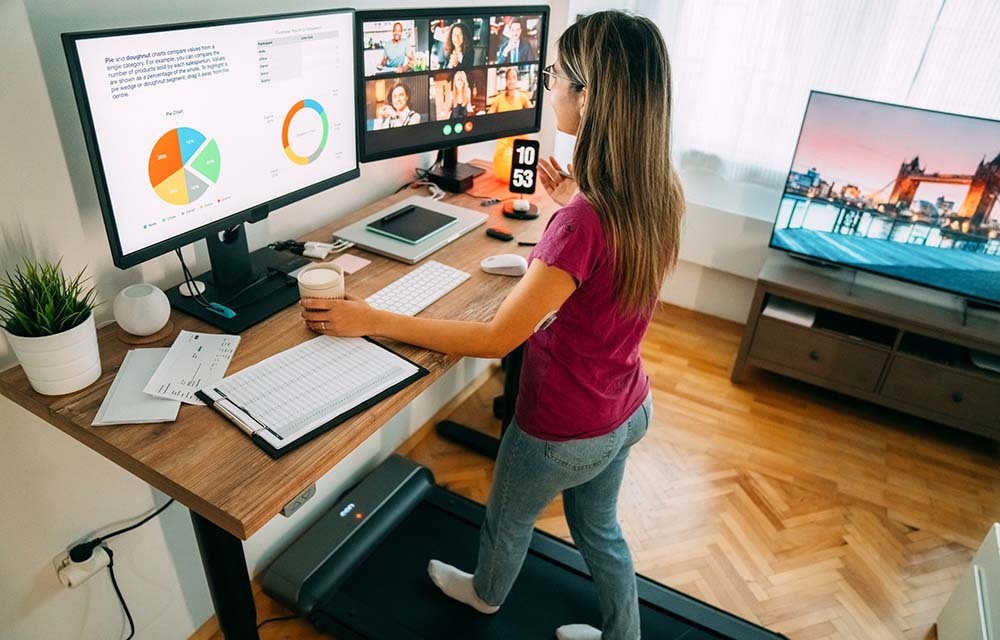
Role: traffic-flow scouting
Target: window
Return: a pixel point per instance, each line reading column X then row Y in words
column 743, row 69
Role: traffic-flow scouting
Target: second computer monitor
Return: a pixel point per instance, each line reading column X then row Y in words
column 439, row 78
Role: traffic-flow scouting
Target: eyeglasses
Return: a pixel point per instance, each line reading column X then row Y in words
column 549, row 78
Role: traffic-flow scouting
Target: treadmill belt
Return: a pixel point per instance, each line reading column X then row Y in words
column 390, row 596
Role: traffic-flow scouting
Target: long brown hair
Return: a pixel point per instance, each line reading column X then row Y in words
column 449, row 46
column 621, row 161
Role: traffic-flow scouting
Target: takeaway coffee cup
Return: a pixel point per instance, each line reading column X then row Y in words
column 321, row 280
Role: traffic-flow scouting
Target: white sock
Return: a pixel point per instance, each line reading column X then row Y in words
column 578, row 632
column 457, row 585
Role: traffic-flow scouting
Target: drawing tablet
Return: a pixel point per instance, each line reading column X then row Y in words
column 357, row 232
column 411, row 223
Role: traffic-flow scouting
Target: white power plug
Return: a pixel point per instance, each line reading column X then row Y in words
column 73, row 574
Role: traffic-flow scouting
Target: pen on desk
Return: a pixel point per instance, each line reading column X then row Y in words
column 395, row 214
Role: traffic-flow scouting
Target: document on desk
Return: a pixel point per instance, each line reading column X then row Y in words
column 194, row 361
column 126, row 403
column 293, row 396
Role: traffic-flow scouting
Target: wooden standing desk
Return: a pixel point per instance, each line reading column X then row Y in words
column 232, row 487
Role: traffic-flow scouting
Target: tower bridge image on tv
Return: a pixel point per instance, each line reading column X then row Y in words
column 984, row 188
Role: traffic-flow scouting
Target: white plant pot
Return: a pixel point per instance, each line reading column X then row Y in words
column 62, row 363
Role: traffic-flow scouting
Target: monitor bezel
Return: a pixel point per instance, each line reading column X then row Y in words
column 845, row 265
column 253, row 213
column 472, row 12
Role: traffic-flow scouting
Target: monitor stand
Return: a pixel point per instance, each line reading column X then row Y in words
column 452, row 175
column 254, row 285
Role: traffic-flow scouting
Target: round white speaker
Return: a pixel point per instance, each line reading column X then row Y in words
column 141, row 309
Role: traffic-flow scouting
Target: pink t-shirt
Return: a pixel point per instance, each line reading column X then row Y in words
column 581, row 376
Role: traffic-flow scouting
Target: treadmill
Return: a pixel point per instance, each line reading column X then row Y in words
column 361, row 572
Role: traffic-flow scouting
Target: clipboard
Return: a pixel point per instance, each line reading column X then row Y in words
column 312, row 358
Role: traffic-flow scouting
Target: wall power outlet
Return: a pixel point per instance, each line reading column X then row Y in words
column 73, row 574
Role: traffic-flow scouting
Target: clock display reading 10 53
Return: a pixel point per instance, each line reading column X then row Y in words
column 524, row 167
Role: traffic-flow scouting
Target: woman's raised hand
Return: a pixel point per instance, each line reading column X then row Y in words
column 559, row 187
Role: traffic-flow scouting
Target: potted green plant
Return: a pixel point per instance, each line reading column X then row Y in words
column 48, row 320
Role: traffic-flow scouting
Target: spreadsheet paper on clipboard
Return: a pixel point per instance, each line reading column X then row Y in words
column 299, row 393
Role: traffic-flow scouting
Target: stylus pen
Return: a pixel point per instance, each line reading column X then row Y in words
column 395, row 214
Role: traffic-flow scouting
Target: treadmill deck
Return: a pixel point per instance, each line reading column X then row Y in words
column 391, row 596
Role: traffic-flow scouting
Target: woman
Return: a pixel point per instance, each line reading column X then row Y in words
column 584, row 399
column 511, row 98
column 461, row 96
column 397, row 112
column 458, row 50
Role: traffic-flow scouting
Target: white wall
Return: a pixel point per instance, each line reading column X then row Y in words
column 724, row 244
column 57, row 491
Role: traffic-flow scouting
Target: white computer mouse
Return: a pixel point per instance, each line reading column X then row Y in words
column 505, row 264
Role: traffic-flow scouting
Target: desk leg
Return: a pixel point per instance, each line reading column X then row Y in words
column 228, row 580
column 503, row 408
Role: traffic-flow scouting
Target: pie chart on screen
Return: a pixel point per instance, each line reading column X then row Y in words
column 183, row 164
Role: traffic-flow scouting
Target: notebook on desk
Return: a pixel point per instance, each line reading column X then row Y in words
column 298, row 394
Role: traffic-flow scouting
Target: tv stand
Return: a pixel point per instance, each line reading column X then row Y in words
column 887, row 349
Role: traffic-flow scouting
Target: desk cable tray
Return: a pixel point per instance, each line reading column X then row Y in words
column 294, row 396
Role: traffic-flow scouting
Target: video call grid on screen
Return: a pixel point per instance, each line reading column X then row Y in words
column 432, row 77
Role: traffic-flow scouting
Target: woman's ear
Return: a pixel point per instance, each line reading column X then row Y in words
column 581, row 100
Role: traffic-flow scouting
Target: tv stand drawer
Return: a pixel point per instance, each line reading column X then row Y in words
column 943, row 390
column 818, row 355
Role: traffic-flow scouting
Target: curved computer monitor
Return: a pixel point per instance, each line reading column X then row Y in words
column 196, row 128
column 442, row 77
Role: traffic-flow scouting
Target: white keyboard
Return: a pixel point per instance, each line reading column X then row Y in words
column 418, row 289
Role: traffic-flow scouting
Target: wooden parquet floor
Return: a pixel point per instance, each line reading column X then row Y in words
column 808, row 512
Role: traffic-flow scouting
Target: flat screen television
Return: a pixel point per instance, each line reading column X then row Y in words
column 907, row 193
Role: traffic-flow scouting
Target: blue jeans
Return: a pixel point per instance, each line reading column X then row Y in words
column 529, row 473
